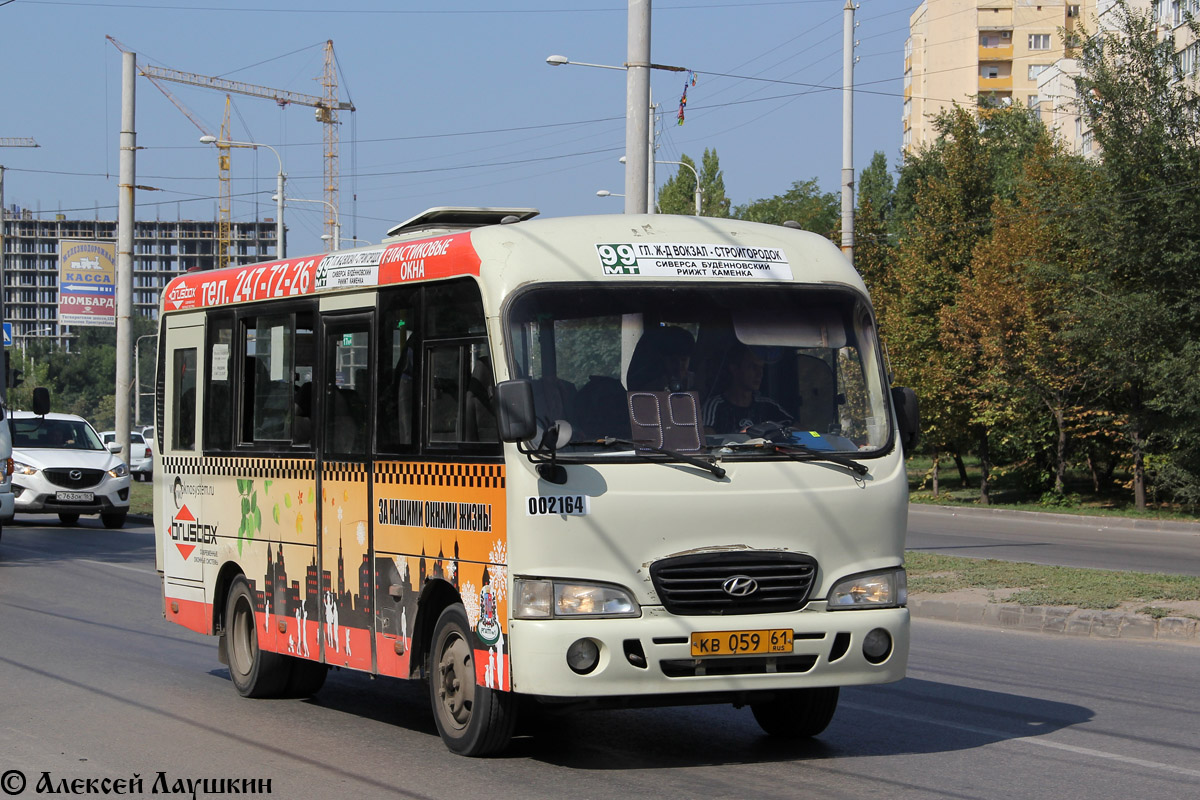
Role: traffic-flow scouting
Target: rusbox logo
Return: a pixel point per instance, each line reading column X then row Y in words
column 187, row 532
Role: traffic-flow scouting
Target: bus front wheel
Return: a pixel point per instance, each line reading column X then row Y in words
column 254, row 672
column 473, row 720
column 797, row 713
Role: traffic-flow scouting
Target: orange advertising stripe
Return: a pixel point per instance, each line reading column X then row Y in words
column 389, row 662
column 191, row 614
column 399, row 262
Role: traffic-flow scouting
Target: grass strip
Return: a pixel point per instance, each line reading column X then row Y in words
column 1043, row 585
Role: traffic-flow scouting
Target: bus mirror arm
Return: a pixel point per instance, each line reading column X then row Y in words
column 555, row 437
column 908, row 416
column 516, row 418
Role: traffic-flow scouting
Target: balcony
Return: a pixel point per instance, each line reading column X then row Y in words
column 1004, row 53
column 996, row 84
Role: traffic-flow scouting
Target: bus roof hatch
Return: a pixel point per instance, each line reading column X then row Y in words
column 446, row 219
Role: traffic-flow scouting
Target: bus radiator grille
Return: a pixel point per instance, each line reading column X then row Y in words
column 725, row 583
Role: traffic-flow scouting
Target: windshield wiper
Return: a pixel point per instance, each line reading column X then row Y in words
column 715, row 469
column 798, row 452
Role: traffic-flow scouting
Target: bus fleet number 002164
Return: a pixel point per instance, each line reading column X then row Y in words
column 571, row 505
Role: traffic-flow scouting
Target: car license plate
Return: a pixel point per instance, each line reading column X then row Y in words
column 741, row 643
column 74, row 497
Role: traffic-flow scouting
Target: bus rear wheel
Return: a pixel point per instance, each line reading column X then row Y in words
column 254, row 672
column 473, row 720
column 797, row 713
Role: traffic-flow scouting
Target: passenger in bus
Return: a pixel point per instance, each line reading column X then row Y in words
column 739, row 404
column 660, row 361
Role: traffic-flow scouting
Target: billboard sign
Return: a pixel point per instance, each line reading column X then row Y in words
column 87, row 283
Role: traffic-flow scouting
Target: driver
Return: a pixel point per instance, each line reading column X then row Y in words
column 739, row 405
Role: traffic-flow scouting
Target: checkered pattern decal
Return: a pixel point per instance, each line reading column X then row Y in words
column 405, row 473
column 346, row 471
column 420, row 473
column 248, row 467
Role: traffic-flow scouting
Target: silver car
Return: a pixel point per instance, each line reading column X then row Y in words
column 141, row 462
column 61, row 466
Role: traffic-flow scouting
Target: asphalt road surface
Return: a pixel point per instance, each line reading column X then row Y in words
column 1093, row 542
column 94, row 684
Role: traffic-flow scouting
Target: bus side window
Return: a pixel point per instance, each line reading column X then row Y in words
column 267, row 378
column 461, row 394
column 218, row 389
column 183, row 400
column 397, row 370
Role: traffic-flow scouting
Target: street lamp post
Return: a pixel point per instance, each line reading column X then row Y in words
column 137, row 380
column 682, row 164
column 280, row 243
column 694, row 172
column 607, row 193
column 337, row 223
column 638, row 128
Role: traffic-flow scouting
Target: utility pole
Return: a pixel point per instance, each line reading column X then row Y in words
column 6, row 142
column 848, row 130
column 125, row 248
column 637, row 106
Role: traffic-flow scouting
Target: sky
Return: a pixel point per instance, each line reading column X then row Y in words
column 455, row 103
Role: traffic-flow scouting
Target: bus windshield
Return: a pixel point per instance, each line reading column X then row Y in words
column 766, row 368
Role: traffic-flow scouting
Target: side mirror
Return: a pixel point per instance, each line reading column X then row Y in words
column 908, row 416
column 41, row 401
column 515, row 414
column 113, row 447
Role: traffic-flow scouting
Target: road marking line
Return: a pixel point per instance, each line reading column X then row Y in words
column 1029, row 739
column 117, row 566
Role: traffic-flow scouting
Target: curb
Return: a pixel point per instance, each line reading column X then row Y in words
column 1098, row 522
column 1066, row 620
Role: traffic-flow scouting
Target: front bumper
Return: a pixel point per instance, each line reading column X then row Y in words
column 827, row 651
column 33, row 494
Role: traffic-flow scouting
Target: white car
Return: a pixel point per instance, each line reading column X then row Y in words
column 60, row 466
column 141, row 464
column 6, row 495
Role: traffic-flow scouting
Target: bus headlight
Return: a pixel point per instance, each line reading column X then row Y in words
column 884, row 589
column 545, row 599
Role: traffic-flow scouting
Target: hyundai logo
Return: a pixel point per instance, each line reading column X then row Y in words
column 76, row 474
column 740, row 586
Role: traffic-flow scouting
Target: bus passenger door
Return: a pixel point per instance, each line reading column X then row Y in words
column 347, row 618
column 191, row 526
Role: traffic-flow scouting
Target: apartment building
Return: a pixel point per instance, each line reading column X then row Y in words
column 1056, row 88
column 162, row 249
column 959, row 51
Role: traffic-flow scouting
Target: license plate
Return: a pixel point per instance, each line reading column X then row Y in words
column 74, row 497
column 741, row 643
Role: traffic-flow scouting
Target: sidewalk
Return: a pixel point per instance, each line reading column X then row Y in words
column 1066, row 620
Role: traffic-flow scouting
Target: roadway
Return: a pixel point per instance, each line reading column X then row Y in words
column 95, row 684
column 1073, row 541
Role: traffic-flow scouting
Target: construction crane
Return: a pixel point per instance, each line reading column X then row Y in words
column 327, row 108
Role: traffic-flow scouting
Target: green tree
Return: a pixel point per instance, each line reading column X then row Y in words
column 804, row 203
column 1015, row 317
column 1143, row 306
column 958, row 180
column 678, row 195
column 873, row 251
column 82, row 377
